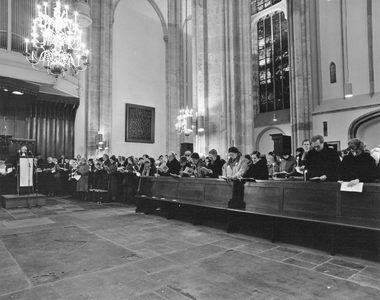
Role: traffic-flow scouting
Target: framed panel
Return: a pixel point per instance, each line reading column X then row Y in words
column 335, row 144
column 139, row 123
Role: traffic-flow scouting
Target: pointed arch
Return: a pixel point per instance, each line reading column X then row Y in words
column 355, row 125
column 162, row 19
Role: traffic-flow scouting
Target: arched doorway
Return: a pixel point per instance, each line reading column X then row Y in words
column 367, row 128
column 264, row 142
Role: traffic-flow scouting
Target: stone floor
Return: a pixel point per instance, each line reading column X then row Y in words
column 79, row 250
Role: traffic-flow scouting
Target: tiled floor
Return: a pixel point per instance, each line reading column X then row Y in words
column 80, row 250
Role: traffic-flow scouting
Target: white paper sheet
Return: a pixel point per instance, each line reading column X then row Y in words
column 358, row 188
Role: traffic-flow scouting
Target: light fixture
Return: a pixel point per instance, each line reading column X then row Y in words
column 200, row 123
column 184, row 121
column 274, row 117
column 348, row 90
column 17, row 93
column 56, row 43
column 106, row 145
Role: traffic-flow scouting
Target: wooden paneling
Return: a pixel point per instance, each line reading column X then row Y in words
column 303, row 201
column 166, row 189
column 218, row 195
column 193, row 191
column 354, row 205
column 263, row 199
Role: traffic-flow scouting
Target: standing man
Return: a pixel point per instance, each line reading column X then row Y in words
column 322, row 162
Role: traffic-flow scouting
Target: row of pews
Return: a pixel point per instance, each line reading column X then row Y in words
column 311, row 202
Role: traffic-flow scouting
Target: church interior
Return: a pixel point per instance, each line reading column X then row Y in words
column 127, row 78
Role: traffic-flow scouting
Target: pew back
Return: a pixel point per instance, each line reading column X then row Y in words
column 315, row 201
column 206, row 192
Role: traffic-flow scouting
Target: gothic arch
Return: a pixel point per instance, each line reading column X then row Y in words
column 355, row 125
column 158, row 11
column 162, row 19
column 259, row 136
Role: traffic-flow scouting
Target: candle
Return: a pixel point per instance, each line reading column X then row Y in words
column 45, row 5
column 26, row 45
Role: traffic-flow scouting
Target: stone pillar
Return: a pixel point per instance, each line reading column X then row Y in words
column 222, row 73
column 304, row 80
column 99, row 74
column 174, row 73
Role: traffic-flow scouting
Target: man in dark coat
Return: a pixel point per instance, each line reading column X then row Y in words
column 172, row 165
column 214, row 169
column 322, row 162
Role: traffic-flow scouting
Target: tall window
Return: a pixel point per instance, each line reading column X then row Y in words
column 3, row 23
column 332, row 73
column 273, row 60
column 259, row 5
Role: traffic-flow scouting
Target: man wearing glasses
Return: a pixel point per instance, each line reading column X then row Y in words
column 322, row 162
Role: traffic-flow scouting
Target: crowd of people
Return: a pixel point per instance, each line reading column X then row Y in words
column 315, row 160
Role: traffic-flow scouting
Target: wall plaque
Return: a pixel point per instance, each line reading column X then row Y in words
column 139, row 123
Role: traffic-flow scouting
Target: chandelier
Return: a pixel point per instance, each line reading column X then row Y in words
column 184, row 121
column 56, row 43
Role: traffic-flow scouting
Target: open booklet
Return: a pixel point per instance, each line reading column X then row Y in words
column 163, row 168
column 358, row 188
column 281, row 174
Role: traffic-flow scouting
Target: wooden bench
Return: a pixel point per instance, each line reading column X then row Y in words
column 172, row 194
column 317, row 202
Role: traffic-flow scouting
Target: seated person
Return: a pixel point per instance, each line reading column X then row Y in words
column 272, row 165
column 149, row 167
column 358, row 165
column 257, row 166
column 172, row 166
column 288, row 163
column 214, row 168
column 186, row 169
column 236, row 166
column 322, row 162
column 196, row 164
column 375, row 153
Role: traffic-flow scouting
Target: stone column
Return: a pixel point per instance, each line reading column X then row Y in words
column 99, row 74
column 222, row 73
column 304, row 80
column 174, row 73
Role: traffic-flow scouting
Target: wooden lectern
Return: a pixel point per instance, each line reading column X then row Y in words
column 25, row 175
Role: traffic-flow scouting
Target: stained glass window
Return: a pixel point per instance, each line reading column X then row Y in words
column 273, row 56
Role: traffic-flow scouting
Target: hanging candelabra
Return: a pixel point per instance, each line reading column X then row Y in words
column 56, row 42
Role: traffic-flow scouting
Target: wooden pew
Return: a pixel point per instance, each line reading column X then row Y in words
column 318, row 202
column 173, row 194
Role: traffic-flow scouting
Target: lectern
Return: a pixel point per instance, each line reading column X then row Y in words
column 25, row 174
